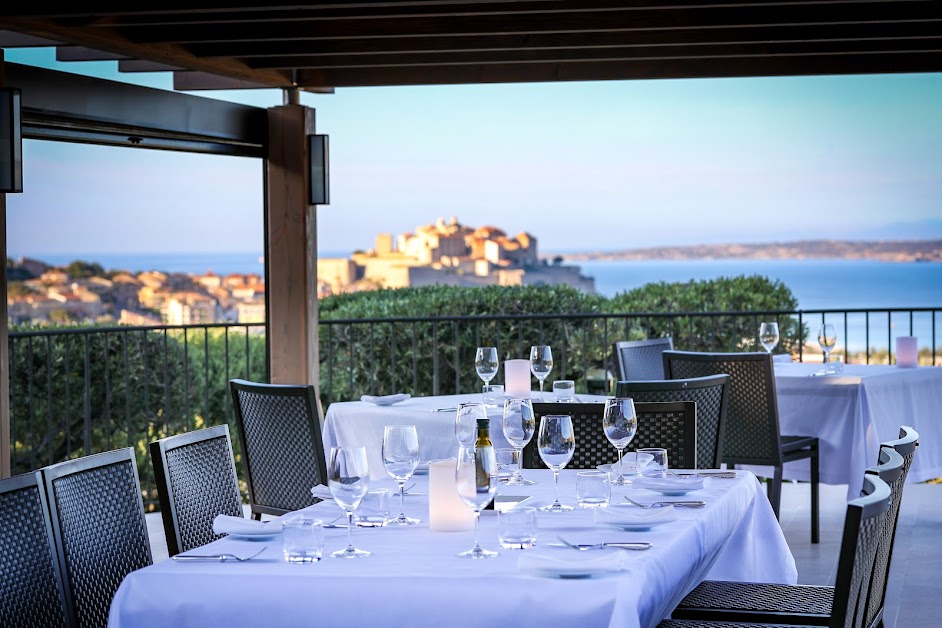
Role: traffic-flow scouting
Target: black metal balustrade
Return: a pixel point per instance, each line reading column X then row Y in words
column 79, row 391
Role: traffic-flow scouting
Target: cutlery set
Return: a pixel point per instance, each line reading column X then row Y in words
column 217, row 558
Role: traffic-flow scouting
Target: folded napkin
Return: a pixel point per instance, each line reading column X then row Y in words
column 227, row 524
column 321, row 492
column 385, row 400
column 667, row 483
column 634, row 516
column 572, row 563
column 631, row 463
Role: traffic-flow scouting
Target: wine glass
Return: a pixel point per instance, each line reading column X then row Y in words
column 476, row 480
column 518, row 424
column 556, row 443
column 620, row 424
column 827, row 338
column 466, row 422
column 768, row 335
column 486, row 363
column 401, row 457
column 348, row 478
column 541, row 363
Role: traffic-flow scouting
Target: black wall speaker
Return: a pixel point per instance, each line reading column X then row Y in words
column 320, row 173
column 11, row 141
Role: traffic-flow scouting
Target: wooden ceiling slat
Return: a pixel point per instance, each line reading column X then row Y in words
column 81, row 53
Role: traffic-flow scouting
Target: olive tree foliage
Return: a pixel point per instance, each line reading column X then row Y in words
column 422, row 340
column 84, row 391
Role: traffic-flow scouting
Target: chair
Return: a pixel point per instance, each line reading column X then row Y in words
column 196, row 480
column 855, row 599
column 31, row 593
column 282, row 446
column 751, row 434
column 669, row 425
column 710, row 393
column 99, row 529
column 641, row 359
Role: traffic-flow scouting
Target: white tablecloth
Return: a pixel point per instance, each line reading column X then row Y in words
column 854, row 412
column 414, row 577
column 356, row 423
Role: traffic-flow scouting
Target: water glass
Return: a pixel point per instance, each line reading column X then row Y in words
column 466, row 422
column 564, row 390
column 593, row 489
column 506, row 462
column 658, row 466
column 493, row 394
column 834, row 366
column 373, row 511
column 302, row 538
column 516, row 528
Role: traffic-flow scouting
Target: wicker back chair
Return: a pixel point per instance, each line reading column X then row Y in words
column 668, row 425
column 31, row 593
column 196, row 480
column 641, row 359
column 710, row 393
column 720, row 603
column 751, row 434
column 282, row 444
column 99, row 529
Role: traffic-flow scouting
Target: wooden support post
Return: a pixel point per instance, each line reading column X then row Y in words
column 291, row 249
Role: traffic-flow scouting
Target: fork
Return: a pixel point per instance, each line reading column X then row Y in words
column 689, row 503
column 220, row 558
column 705, row 474
column 582, row 547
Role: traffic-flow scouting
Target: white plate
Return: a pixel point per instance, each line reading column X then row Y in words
column 633, row 527
column 674, row 488
column 571, row 574
column 253, row 537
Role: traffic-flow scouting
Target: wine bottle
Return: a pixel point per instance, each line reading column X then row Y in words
column 485, row 461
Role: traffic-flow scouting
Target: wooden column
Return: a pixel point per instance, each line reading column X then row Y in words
column 291, row 249
column 4, row 335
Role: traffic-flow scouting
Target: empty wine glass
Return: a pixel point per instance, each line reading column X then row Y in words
column 486, row 363
column 401, row 457
column 541, row 363
column 768, row 336
column 556, row 443
column 466, row 422
column 620, row 424
column 348, row 478
column 476, row 480
column 827, row 338
column 518, row 424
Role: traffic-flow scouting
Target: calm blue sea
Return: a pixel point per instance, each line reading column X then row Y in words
column 817, row 284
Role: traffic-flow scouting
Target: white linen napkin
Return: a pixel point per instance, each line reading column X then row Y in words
column 572, row 562
column 322, row 492
column 227, row 524
column 632, row 515
column 385, row 400
column 667, row 483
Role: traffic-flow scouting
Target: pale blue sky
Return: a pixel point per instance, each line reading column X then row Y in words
column 602, row 165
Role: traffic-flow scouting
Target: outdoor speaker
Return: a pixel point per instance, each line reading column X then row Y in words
column 320, row 175
column 11, row 141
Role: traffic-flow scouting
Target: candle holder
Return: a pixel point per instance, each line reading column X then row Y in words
column 907, row 351
column 446, row 511
column 517, row 378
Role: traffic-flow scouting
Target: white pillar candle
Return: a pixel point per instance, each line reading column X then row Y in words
column 446, row 511
column 907, row 351
column 517, row 378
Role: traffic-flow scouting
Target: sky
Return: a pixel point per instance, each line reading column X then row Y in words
column 582, row 166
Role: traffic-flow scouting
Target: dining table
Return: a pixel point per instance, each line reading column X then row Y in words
column 414, row 576
column 852, row 412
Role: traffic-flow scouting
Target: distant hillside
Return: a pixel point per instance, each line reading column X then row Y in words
column 883, row 250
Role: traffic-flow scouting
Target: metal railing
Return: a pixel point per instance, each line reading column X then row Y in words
column 78, row 391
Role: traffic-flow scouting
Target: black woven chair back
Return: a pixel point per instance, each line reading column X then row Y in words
column 282, row 444
column 196, row 480
column 30, row 581
column 98, row 524
column 668, row 425
column 641, row 359
column 710, row 393
column 751, row 434
column 864, row 526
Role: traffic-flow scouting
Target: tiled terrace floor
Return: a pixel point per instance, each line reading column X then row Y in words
column 914, row 599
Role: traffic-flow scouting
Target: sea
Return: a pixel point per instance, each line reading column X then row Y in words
column 816, row 283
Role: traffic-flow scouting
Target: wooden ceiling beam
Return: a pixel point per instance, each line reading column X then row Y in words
column 790, row 65
column 82, row 53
